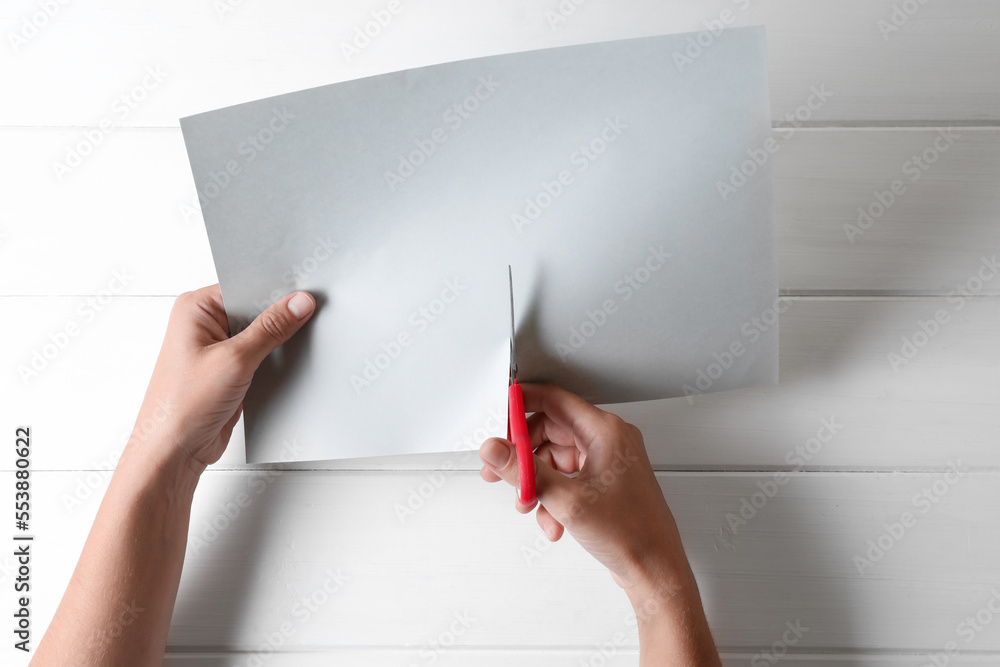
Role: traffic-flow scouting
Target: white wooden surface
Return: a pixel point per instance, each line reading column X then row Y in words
column 129, row 208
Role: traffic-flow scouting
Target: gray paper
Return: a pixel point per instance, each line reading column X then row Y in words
column 628, row 185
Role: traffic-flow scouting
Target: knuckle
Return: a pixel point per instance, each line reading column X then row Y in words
column 274, row 325
column 575, row 512
column 182, row 301
column 614, row 423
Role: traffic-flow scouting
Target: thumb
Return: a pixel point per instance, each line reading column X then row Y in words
column 555, row 490
column 274, row 326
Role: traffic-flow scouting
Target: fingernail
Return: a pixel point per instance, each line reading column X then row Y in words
column 300, row 305
column 496, row 454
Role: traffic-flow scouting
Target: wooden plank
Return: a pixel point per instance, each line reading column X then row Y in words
column 131, row 205
column 880, row 75
column 842, row 229
column 71, row 71
column 536, row 658
column 945, row 402
column 462, row 563
column 121, row 209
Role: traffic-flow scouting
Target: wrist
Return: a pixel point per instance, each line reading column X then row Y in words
column 670, row 618
column 160, row 460
column 662, row 595
column 670, row 621
column 656, row 565
column 659, row 581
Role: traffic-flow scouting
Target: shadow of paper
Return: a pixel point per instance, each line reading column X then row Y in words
column 278, row 369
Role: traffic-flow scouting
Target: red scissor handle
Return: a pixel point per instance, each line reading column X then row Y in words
column 517, row 426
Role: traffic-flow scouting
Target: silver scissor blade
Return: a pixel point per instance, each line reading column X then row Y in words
column 513, row 349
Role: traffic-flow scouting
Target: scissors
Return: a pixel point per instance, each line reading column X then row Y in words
column 517, row 424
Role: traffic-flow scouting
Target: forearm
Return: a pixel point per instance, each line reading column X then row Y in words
column 675, row 634
column 117, row 607
column 671, row 620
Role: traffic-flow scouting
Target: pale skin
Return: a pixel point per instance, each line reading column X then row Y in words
column 117, row 607
column 614, row 508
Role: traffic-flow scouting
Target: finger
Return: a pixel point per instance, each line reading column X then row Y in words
column 487, row 474
column 565, row 409
column 274, row 326
column 199, row 311
column 522, row 508
column 542, row 429
column 227, row 430
column 211, row 296
column 551, row 486
column 549, row 525
column 567, row 460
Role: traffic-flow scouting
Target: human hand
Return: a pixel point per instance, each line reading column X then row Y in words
column 613, row 506
column 195, row 395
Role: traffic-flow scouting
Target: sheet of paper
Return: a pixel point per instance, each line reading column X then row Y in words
column 628, row 183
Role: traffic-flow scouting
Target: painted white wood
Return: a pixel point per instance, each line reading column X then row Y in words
column 836, row 235
column 547, row 658
column 834, row 366
column 130, row 205
column 210, row 60
column 122, row 209
column 467, row 552
column 128, row 208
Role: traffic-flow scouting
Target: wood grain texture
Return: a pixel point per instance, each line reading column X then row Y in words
column 942, row 404
column 253, row 557
column 131, row 205
column 421, row 538
column 541, row 658
column 841, row 229
column 211, row 59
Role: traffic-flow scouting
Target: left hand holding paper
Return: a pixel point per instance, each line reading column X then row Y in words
column 201, row 375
